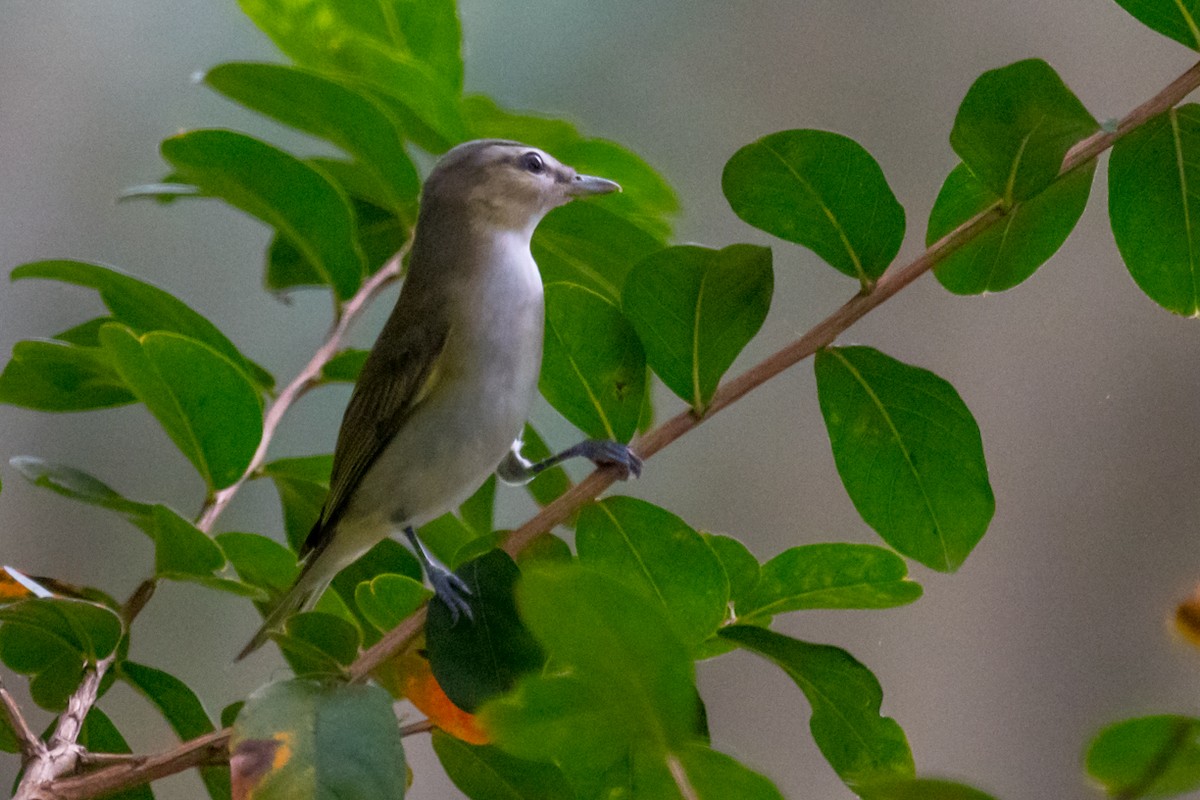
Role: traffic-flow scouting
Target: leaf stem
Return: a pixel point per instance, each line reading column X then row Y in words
column 204, row 749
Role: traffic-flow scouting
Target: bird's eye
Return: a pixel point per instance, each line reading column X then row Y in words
column 532, row 162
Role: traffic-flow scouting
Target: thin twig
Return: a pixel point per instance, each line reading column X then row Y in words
column 420, row 726
column 31, row 745
column 199, row 751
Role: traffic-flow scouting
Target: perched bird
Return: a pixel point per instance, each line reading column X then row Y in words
column 446, row 390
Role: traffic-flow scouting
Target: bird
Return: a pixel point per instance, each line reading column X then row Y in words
column 445, row 391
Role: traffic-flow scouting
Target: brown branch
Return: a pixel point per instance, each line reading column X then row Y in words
column 31, row 745
column 202, row 750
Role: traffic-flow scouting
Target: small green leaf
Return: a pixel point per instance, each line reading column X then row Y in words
column 921, row 789
column 302, row 484
column 183, row 711
column 622, row 683
column 830, row 576
column 98, row 734
column 331, row 110
column 593, row 368
column 1147, row 757
column 56, row 376
column 1015, row 126
column 908, row 452
column 591, row 245
column 344, row 367
column 259, row 561
column 820, row 190
column 303, row 739
column 656, row 552
column 1178, row 20
column 709, row 774
column 77, row 485
column 1011, row 250
column 488, row 773
column 478, row 510
column 694, row 309
column 317, row 643
column 861, row 745
column 387, row 600
column 364, row 43
column 182, row 551
column 204, row 402
column 141, row 307
column 1152, row 182
column 279, row 189
column 482, row 657
column 741, row 567
column 550, row 484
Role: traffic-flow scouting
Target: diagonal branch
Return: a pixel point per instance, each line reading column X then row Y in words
column 202, row 750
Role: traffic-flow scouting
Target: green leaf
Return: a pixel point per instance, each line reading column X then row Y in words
column 1012, row 249
column 98, row 734
column 279, row 189
column 1172, row 18
column 709, row 774
column 56, row 376
column 1152, row 180
column 1015, row 126
column 387, row 600
column 861, row 745
column 829, row 576
column 482, row 657
column 908, row 452
column 182, row 551
column 488, row 773
column 141, row 307
column 183, row 711
column 921, row 789
column 1155, row 756
column 304, row 740
column 330, row 110
column 741, row 567
column 647, row 199
column 593, row 368
column 366, row 43
column 654, row 551
column 622, row 681
column 204, row 402
column 259, row 561
column 344, row 367
column 302, row 484
column 591, row 245
column 820, row 190
column 694, row 309
column 77, row 485
column 317, row 643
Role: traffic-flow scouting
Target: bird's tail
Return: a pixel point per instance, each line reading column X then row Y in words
column 303, row 595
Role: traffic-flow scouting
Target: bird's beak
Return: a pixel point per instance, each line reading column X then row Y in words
column 584, row 185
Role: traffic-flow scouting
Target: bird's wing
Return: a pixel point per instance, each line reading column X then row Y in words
column 394, row 381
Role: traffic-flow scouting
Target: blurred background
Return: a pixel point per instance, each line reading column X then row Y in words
column 1085, row 391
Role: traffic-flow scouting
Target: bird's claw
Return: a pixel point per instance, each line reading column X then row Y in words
column 452, row 591
column 607, row 453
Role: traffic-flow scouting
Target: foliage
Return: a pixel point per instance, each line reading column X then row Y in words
column 576, row 678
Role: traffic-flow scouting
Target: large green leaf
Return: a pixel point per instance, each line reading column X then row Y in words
column 695, row 309
column 140, row 306
column 279, row 189
column 1178, row 19
column 622, row 683
column 1015, row 126
column 697, row 772
column 909, row 454
column 829, row 576
column 656, row 552
column 305, row 740
column 741, row 567
column 1010, row 251
column 259, row 561
column 482, row 657
column 385, row 46
column 591, row 245
column 183, row 711
column 333, row 111
column 1152, row 184
column 821, row 190
column 488, row 773
column 57, row 376
column 921, row 789
column 204, row 402
column 302, row 484
column 182, row 551
column 593, row 368
column 1147, row 757
column 387, row 600
column 859, row 743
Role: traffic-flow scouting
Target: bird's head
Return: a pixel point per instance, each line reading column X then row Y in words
column 506, row 184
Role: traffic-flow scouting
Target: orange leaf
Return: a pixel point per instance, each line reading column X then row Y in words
column 416, row 682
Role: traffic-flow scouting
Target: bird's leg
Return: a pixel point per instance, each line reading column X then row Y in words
column 450, row 588
column 517, row 469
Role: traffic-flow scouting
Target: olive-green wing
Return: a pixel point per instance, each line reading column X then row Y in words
column 395, row 378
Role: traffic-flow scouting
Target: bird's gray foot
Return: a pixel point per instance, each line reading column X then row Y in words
column 607, row 453
column 451, row 590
